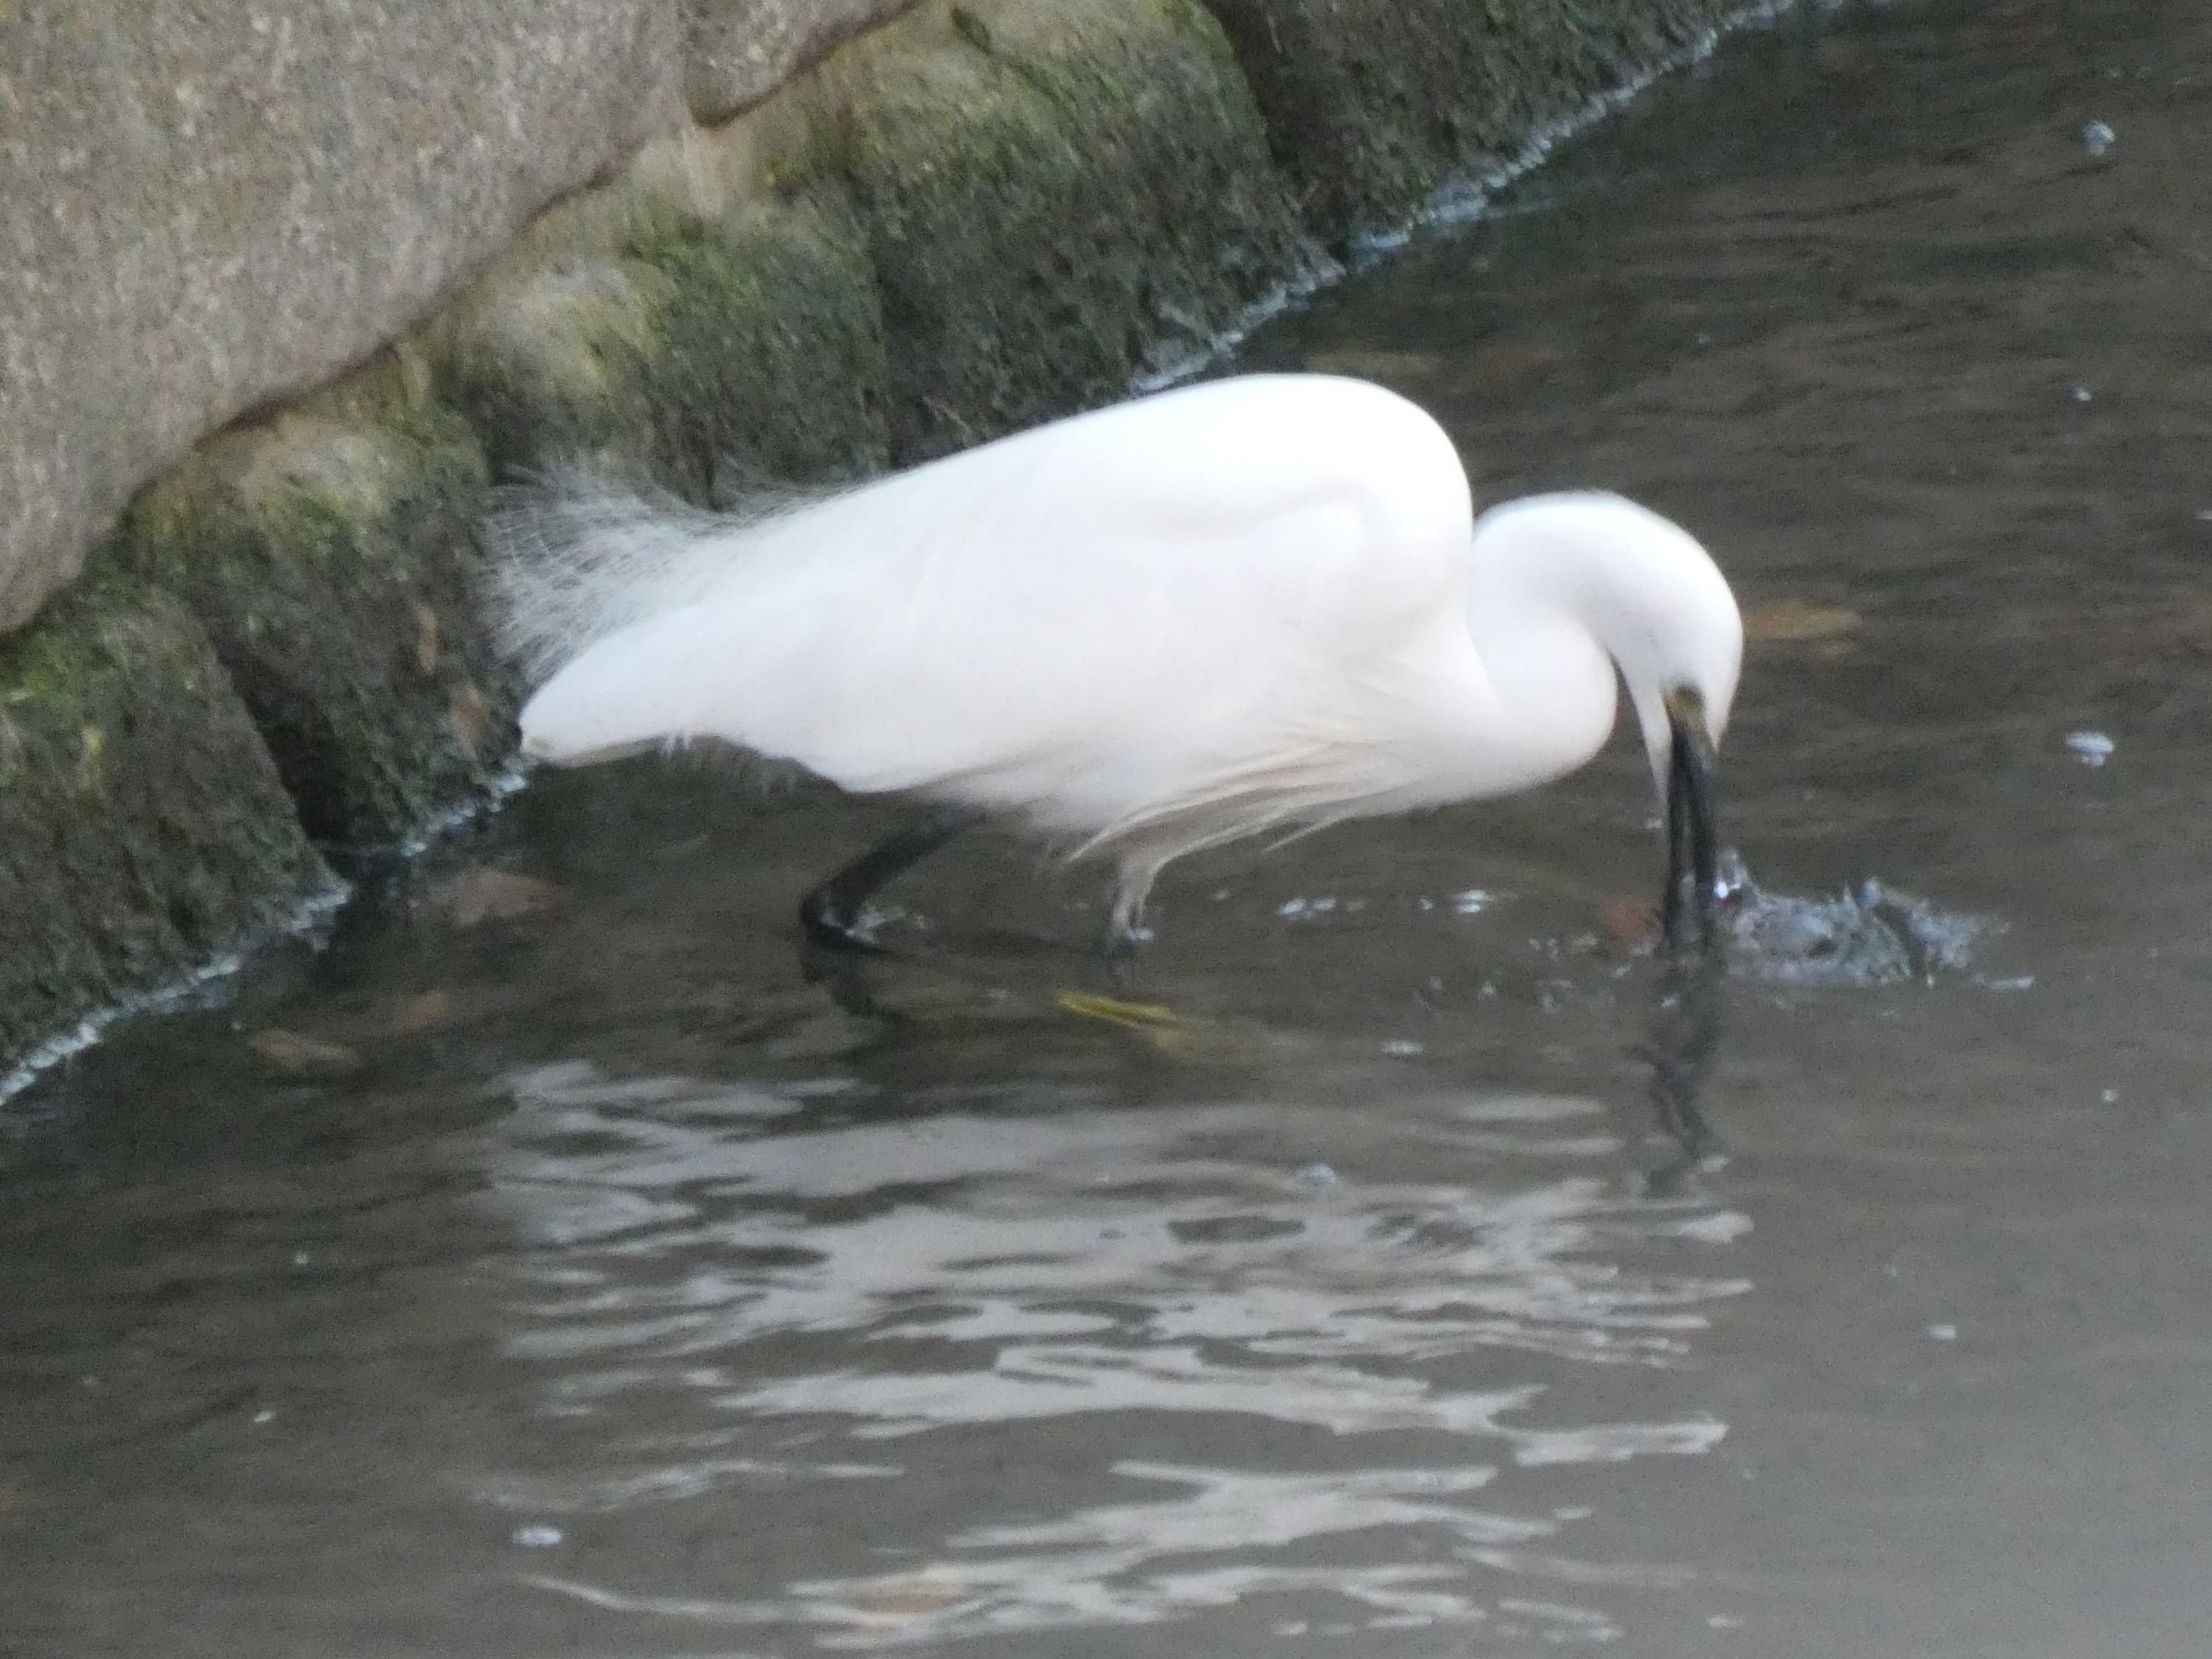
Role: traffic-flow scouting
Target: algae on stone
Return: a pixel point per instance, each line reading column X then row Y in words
column 143, row 829
column 1374, row 105
column 771, row 365
column 552, row 366
column 329, row 555
column 701, row 352
column 1057, row 200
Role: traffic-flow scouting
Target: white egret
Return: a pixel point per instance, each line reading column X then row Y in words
column 1255, row 606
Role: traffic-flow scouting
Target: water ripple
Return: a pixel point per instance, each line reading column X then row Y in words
column 727, row 1254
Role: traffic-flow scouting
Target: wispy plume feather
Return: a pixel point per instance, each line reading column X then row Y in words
column 575, row 557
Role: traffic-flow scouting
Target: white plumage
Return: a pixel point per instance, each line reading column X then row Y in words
column 1253, row 605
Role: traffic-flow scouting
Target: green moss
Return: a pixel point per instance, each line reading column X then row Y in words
column 142, row 827
column 44, row 677
column 1055, row 199
column 551, row 365
column 333, row 563
column 770, row 364
column 698, row 354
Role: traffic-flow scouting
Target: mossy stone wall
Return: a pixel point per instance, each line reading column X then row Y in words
column 1373, row 106
column 978, row 216
column 329, row 555
column 705, row 351
column 1056, row 200
column 143, row 829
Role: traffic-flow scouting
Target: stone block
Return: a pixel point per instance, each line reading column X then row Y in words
column 1057, row 199
column 706, row 353
column 329, row 553
column 738, row 52
column 211, row 208
column 143, row 829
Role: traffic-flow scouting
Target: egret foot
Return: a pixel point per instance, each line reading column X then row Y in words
column 831, row 913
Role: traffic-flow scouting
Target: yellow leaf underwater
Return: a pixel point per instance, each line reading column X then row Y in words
column 1202, row 1041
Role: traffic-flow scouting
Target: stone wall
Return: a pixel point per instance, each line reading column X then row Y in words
column 287, row 288
column 207, row 208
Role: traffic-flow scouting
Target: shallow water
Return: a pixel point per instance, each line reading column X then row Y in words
column 1405, row 1266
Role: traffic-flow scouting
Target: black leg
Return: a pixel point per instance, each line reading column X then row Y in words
column 1121, row 954
column 831, row 913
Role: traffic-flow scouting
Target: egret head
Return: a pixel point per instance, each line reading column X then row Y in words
column 1677, row 637
column 1653, row 599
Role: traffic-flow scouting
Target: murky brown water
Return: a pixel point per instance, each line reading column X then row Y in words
column 600, row 1286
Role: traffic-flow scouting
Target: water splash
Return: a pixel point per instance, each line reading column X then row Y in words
column 1872, row 935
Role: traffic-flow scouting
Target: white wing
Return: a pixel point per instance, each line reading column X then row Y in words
column 1097, row 624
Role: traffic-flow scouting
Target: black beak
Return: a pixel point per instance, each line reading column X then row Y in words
column 1690, row 914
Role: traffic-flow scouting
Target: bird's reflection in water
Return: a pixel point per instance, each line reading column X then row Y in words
column 1041, row 1365
column 1679, row 1045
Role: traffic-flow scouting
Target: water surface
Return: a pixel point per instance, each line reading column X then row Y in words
column 553, row 1265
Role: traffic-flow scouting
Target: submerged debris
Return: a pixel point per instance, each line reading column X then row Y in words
column 1873, row 935
column 1793, row 620
column 2098, row 138
column 484, row 894
column 295, row 1056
